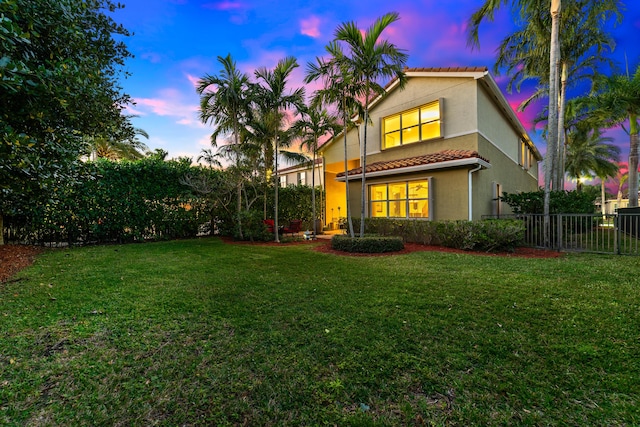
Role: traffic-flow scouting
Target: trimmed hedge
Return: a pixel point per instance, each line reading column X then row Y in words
column 484, row 235
column 367, row 244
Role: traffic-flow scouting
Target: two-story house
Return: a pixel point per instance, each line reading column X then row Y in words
column 442, row 148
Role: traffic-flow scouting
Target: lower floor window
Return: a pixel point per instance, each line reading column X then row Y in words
column 404, row 199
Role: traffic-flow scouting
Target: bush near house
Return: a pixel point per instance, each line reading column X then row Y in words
column 559, row 202
column 485, row 235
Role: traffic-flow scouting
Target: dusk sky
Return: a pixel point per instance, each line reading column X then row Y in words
column 176, row 42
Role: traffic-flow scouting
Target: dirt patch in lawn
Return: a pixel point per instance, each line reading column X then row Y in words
column 14, row 258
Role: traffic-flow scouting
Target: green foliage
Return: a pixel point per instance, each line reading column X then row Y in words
column 294, row 202
column 560, row 202
column 485, row 235
column 59, row 68
column 366, row 244
column 117, row 201
column 253, row 229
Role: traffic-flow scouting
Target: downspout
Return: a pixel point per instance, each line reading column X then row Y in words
column 471, row 191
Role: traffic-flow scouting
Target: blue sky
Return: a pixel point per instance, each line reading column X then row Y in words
column 176, row 42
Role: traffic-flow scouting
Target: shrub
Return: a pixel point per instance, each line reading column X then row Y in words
column 484, row 235
column 559, row 202
column 367, row 244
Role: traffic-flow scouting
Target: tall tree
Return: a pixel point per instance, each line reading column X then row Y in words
column 315, row 123
column 526, row 9
column 617, row 100
column 524, row 55
column 370, row 59
column 341, row 90
column 224, row 102
column 274, row 98
column 589, row 153
column 60, row 64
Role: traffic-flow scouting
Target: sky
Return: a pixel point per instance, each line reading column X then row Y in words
column 176, row 42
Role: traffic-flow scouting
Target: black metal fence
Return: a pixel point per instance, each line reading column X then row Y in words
column 610, row 234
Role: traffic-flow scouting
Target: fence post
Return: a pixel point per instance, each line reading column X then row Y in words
column 616, row 234
column 559, row 230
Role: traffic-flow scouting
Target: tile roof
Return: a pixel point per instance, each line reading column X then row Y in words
column 448, row 69
column 442, row 156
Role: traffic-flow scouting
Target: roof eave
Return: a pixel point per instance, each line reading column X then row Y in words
column 422, row 168
column 492, row 86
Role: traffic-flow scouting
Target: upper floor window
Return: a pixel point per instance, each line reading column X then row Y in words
column 283, row 180
column 524, row 159
column 302, row 178
column 413, row 125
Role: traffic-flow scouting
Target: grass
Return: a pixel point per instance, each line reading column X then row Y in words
column 204, row 333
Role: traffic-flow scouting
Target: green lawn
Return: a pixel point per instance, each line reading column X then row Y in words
column 204, row 333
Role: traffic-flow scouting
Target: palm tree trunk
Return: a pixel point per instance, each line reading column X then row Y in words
column 561, row 131
column 313, row 189
column 602, row 197
column 346, row 174
column 364, row 163
column 1, row 229
column 239, row 186
column 275, row 201
column 633, row 160
column 552, row 135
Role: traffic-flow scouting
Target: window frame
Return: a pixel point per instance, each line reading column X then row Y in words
column 420, row 124
column 302, row 178
column 385, row 204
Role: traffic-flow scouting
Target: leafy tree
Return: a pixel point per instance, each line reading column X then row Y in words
column 60, row 65
column 370, row 59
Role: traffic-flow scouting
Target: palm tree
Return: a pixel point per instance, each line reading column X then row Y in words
column 273, row 99
column 621, row 178
column 108, row 147
column 371, row 59
column 524, row 55
column 618, row 98
column 528, row 8
column 340, row 89
column 224, row 103
column 210, row 157
column 314, row 124
column 588, row 152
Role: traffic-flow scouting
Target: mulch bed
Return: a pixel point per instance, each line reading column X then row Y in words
column 324, row 246
column 14, row 258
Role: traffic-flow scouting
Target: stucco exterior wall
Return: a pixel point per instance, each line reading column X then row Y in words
column 471, row 120
column 458, row 107
column 493, row 126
